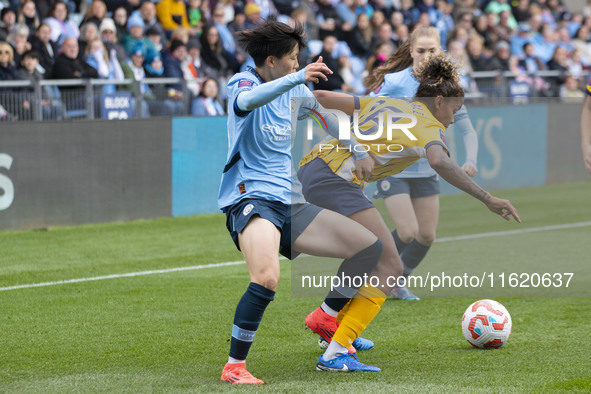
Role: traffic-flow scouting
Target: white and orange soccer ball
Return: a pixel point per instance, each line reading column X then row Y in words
column 486, row 324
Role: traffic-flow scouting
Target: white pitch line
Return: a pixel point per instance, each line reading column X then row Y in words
column 511, row 232
column 231, row 263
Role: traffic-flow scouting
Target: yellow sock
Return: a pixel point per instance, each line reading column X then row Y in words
column 343, row 311
column 360, row 312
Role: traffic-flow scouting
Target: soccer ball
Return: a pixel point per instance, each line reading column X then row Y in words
column 486, row 324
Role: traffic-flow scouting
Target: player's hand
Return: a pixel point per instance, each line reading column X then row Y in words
column 587, row 158
column 317, row 70
column 470, row 169
column 501, row 207
column 364, row 168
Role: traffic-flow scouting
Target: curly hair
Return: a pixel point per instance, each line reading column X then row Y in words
column 438, row 76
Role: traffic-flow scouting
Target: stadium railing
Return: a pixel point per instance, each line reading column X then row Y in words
column 85, row 99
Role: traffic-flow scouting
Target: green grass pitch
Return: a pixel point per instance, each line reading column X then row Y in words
column 169, row 332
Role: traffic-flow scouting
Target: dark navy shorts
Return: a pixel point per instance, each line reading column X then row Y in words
column 291, row 220
column 324, row 188
column 415, row 187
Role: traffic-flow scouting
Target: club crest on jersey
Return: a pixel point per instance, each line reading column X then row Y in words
column 245, row 82
column 247, row 209
column 442, row 136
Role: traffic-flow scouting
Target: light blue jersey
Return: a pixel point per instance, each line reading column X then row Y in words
column 404, row 84
column 259, row 152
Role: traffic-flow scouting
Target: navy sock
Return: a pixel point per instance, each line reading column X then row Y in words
column 400, row 244
column 362, row 263
column 413, row 255
column 247, row 318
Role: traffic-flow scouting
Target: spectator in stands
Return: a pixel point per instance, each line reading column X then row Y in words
column 396, row 19
column 485, row 30
column 172, row 60
column 61, row 26
column 500, row 60
column 309, row 7
column 575, row 66
column 520, row 39
column 238, row 24
column 207, row 103
column 529, row 61
column 230, row 11
column 521, row 11
column 28, row 71
column 96, row 12
column 381, row 53
column 402, row 34
column 181, row 34
column 557, row 63
column 253, row 16
column 409, row 12
column 474, row 49
column 384, row 35
column 97, row 57
column 135, row 27
column 266, row 7
column 172, row 14
column 335, row 80
column 45, row 48
column 151, row 22
column 7, row 20
column 88, row 32
column 69, row 66
column 458, row 53
column 225, row 34
column 154, row 36
column 564, row 39
column 120, row 19
column 27, row 15
column 378, row 19
column 444, row 22
column 329, row 20
column 503, row 31
column 544, row 43
column 214, row 54
column 193, row 71
column 346, row 11
column 7, row 68
column 197, row 18
column 460, row 34
column 18, row 38
column 108, row 32
column 462, row 7
column 359, row 38
column 498, row 6
column 571, row 88
column 582, row 43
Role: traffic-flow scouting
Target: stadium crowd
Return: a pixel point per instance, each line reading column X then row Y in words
column 195, row 40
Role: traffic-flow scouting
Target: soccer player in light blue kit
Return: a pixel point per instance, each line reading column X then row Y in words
column 412, row 196
column 266, row 213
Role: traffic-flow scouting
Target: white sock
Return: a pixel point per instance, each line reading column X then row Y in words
column 232, row 360
column 333, row 348
column 328, row 310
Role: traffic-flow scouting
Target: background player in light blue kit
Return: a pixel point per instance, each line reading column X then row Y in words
column 412, row 197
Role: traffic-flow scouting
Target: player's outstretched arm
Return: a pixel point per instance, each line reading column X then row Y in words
column 464, row 126
column 452, row 173
column 264, row 93
column 586, row 133
column 336, row 100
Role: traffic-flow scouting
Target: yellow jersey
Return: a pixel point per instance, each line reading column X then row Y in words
column 395, row 132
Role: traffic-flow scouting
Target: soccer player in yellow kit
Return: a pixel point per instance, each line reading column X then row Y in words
column 328, row 180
